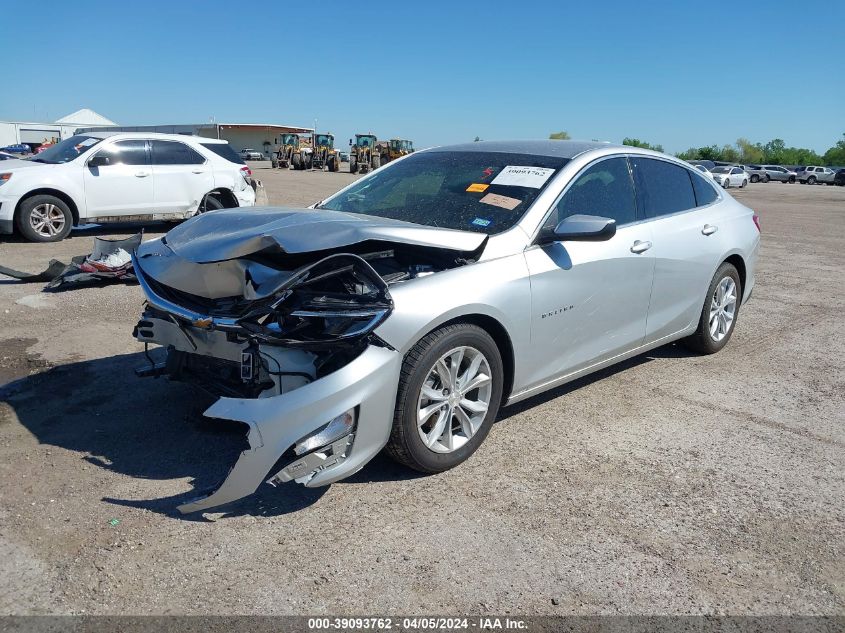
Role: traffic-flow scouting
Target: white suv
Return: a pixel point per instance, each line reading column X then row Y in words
column 119, row 176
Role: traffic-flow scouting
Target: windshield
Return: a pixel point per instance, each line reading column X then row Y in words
column 324, row 139
column 67, row 150
column 365, row 141
column 484, row 192
column 720, row 170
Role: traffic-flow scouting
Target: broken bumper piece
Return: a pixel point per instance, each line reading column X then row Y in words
column 286, row 430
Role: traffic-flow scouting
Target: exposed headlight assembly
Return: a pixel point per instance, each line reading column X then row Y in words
column 337, row 298
column 5, row 177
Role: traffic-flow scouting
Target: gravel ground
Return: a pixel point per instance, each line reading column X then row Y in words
column 672, row 484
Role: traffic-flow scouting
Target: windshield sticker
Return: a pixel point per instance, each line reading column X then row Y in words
column 88, row 141
column 501, row 201
column 477, row 187
column 521, row 176
column 481, row 222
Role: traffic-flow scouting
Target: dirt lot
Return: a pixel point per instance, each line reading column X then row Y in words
column 671, row 484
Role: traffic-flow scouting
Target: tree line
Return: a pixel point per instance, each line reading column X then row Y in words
column 775, row 152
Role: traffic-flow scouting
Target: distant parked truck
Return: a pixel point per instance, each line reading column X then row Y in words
column 813, row 175
column 289, row 153
column 364, row 153
column 395, row 148
column 776, row 172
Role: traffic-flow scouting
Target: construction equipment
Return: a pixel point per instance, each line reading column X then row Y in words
column 395, row 148
column 364, row 154
column 289, row 154
column 322, row 153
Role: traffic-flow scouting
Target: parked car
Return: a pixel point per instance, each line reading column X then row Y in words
column 251, row 154
column 776, row 172
column 728, row 176
column 703, row 170
column 115, row 176
column 756, row 173
column 344, row 157
column 839, row 178
column 812, row 175
column 398, row 316
column 18, row 148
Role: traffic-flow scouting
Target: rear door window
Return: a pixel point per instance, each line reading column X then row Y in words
column 224, row 150
column 174, row 153
column 662, row 187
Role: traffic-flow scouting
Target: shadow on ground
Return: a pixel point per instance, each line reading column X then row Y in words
column 154, row 429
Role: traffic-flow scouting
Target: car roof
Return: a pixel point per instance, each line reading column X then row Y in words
column 554, row 148
column 154, row 135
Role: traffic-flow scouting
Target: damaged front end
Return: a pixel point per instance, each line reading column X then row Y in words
column 286, row 340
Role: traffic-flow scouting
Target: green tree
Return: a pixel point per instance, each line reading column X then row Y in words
column 559, row 136
column 711, row 152
column 749, row 152
column 836, row 154
column 773, row 151
column 729, row 154
column 635, row 142
column 690, row 154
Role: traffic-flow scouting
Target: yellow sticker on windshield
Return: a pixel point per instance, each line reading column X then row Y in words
column 501, row 201
column 477, row 187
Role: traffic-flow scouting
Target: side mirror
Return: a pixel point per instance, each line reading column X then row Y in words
column 99, row 161
column 583, row 228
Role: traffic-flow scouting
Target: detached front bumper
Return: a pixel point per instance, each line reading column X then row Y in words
column 368, row 384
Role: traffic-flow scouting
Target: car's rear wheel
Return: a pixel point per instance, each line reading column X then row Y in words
column 811, row 180
column 755, row 178
column 44, row 218
column 449, row 393
column 792, row 180
column 766, row 178
column 210, row 203
column 719, row 312
column 744, row 182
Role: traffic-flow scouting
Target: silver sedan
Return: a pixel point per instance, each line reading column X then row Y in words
column 403, row 311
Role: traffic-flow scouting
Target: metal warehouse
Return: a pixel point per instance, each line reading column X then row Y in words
column 36, row 134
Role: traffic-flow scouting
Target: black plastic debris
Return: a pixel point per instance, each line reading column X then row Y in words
column 109, row 262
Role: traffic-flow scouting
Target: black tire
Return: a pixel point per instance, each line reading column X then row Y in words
column 755, row 178
column 53, row 207
column 332, row 163
column 376, row 161
column 405, row 444
column 701, row 341
column 792, row 180
column 811, row 180
column 744, row 183
column 767, row 178
column 210, row 203
column 353, row 165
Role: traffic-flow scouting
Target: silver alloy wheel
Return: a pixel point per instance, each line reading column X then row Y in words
column 722, row 309
column 47, row 220
column 454, row 399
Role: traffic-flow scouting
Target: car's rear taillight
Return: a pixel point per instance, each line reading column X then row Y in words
column 246, row 171
column 756, row 219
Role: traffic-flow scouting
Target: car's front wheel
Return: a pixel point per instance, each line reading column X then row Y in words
column 811, row 180
column 755, row 178
column 44, row 218
column 719, row 313
column 767, row 178
column 449, row 393
column 744, row 182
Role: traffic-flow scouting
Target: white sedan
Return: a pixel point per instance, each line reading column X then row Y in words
column 729, row 176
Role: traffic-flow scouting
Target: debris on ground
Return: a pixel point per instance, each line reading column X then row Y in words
column 110, row 261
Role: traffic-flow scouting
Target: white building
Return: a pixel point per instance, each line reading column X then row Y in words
column 262, row 137
column 35, row 134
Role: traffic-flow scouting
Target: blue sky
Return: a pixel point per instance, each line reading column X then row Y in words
column 678, row 73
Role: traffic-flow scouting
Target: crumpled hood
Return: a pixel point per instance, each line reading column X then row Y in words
column 234, row 233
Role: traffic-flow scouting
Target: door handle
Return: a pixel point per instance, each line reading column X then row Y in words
column 142, row 174
column 709, row 229
column 197, row 171
column 640, row 247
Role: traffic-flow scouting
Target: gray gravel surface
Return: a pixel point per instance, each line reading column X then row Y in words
column 670, row 484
